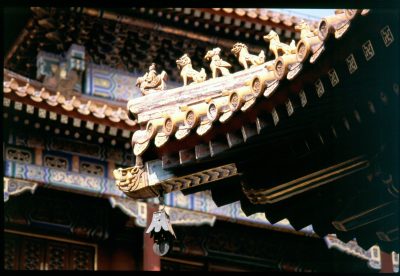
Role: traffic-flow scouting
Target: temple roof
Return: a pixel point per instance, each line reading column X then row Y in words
column 170, row 116
column 33, row 93
column 305, row 136
column 265, row 15
column 130, row 39
column 277, row 121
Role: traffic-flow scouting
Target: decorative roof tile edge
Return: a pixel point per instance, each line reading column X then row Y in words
column 32, row 92
column 264, row 15
column 166, row 120
column 202, row 111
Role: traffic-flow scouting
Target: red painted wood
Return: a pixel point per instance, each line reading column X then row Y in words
column 387, row 265
column 151, row 261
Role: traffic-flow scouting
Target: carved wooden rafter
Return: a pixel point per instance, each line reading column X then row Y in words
column 134, row 181
column 308, row 182
column 361, row 218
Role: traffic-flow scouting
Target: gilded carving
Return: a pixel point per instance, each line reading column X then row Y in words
column 53, row 100
column 134, row 180
column 186, row 217
column 56, row 162
column 241, row 52
column 199, row 178
column 352, row 248
column 188, row 73
column 305, row 30
column 18, row 105
column 140, row 148
column 351, row 64
column 38, row 96
column 6, row 102
column 217, row 65
column 85, row 108
column 64, row 119
column 130, row 179
column 30, row 109
column 14, row 186
column 287, row 57
column 333, row 77
column 368, row 50
column 70, row 104
column 42, row 113
column 182, row 133
column 319, row 86
column 387, row 36
column 160, row 139
column 276, row 46
column 76, row 122
column 89, row 168
column 151, row 81
column 19, row 155
column 203, row 129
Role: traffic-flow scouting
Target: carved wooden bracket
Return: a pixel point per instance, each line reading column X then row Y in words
column 16, row 186
column 148, row 181
column 130, row 179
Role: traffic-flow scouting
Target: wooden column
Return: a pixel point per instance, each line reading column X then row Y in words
column 387, row 265
column 151, row 261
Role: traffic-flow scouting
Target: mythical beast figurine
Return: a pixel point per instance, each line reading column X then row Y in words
column 305, row 30
column 217, row 65
column 276, row 46
column 151, row 81
column 188, row 73
column 245, row 58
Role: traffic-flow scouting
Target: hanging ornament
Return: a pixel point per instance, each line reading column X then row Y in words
column 161, row 231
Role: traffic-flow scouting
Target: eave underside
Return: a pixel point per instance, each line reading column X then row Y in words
column 354, row 120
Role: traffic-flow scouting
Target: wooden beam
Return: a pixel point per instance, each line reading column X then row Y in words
column 217, row 147
column 248, row 131
column 275, row 116
column 233, row 139
column 186, row 156
column 307, row 182
column 386, row 262
column 289, row 107
column 365, row 215
column 169, row 161
column 202, row 151
column 261, row 124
